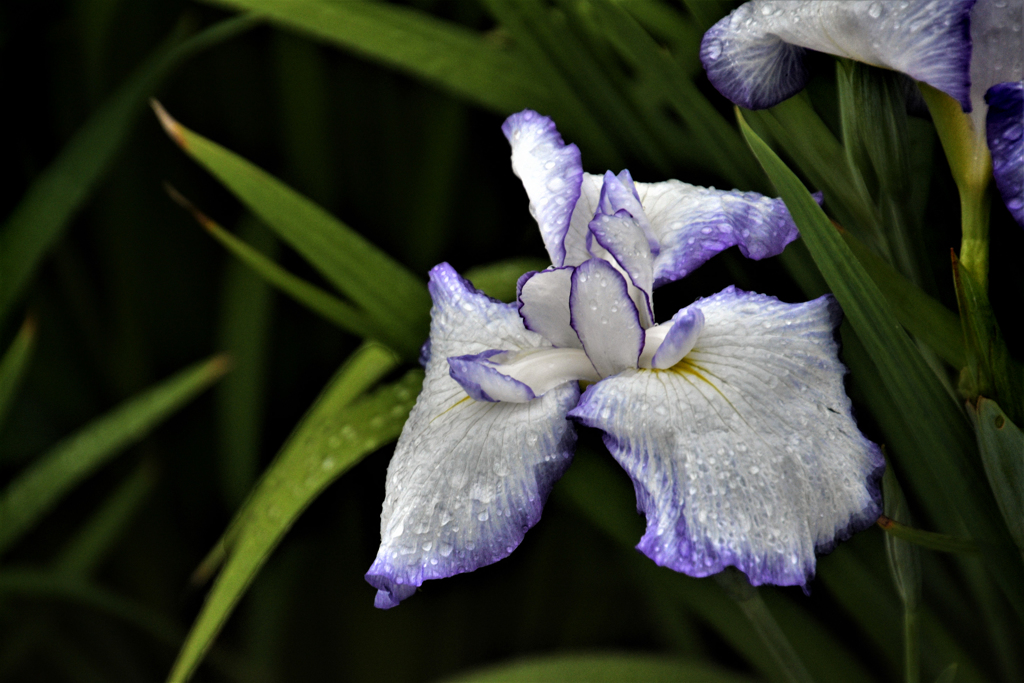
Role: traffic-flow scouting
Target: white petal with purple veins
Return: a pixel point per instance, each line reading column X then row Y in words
column 468, row 478
column 1006, row 143
column 683, row 334
column 605, row 318
column 693, row 223
column 625, row 241
column 754, row 56
column 551, row 172
column 544, row 305
column 745, row 453
column 579, row 228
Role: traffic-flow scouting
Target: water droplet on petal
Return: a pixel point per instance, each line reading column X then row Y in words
column 875, row 10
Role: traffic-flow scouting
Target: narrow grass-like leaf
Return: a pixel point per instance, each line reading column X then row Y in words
column 498, row 280
column 102, row 530
column 905, row 567
column 38, row 221
column 923, row 316
column 927, row 539
column 1001, row 443
column 388, row 294
column 52, row 475
column 934, row 420
column 337, row 432
column 14, row 364
column 601, row 668
column 462, row 61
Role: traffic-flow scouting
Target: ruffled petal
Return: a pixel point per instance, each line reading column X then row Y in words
column 693, row 223
column 544, row 305
column 754, row 56
column 551, row 172
column 623, row 238
column 468, row 478
column 745, row 453
column 605, row 318
column 1005, row 130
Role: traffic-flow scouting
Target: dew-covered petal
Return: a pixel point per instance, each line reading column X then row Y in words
column 576, row 240
column 483, row 381
column 687, row 326
column 997, row 49
column 693, row 223
column 619, row 193
column 551, row 172
column 754, row 56
column 468, row 478
column 624, row 240
column 605, row 318
column 745, row 453
column 520, row 376
column 1005, row 129
column 544, row 305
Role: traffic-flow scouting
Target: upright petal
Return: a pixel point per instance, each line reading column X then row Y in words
column 468, row 478
column 576, row 251
column 693, row 223
column 754, row 56
column 551, row 172
column 621, row 235
column 605, row 318
column 1005, row 130
column 544, row 305
column 744, row 453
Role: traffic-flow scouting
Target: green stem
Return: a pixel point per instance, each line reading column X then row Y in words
column 774, row 639
column 911, row 645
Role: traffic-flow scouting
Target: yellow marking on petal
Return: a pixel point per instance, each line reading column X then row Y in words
column 451, row 407
column 688, row 367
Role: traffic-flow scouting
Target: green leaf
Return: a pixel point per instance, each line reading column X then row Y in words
column 338, row 431
column 601, row 668
column 928, row 539
column 1001, row 443
column 499, row 280
column 14, row 364
column 466, row 63
column 930, row 415
column 389, row 295
column 38, row 221
column 905, row 567
column 948, row 675
column 43, row 483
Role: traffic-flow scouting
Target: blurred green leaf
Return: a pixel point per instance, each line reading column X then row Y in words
column 473, row 66
column 905, row 567
column 601, row 668
column 948, row 675
column 14, row 364
column 499, row 280
column 708, row 12
column 930, row 414
column 38, row 221
column 1001, row 443
column 927, row 539
column 339, row 430
column 53, row 474
column 391, row 297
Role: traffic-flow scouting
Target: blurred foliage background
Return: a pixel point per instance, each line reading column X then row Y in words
column 408, row 152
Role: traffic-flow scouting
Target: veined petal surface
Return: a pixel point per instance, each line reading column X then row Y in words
column 1005, row 131
column 468, row 478
column 551, row 172
column 754, row 56
column 693, row 223
column 745, row 453
column 605, row 318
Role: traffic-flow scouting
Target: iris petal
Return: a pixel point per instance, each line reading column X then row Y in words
column 745, row 453
column 693, row 223
column 551, row 172
column 605, row 318
column 625, row 241
column 544, row 305
column 1005, row 130
column 468, row 478
column 754, row 56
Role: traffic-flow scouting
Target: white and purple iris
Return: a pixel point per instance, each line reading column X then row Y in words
column 972, row 51
column 731, row 418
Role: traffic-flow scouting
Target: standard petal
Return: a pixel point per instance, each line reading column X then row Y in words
column 544, row 305
column 621, row 235
column 576, row 251
column 693, row 223
column 745, row 453
column 468, row 478
column 551, row 172
column 605, row 318
column 754, row 56
column 1005, row 130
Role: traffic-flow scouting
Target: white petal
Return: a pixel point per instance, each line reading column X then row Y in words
column 605, row 318
column 684, row 333
column 544, row 305
column 520, row 376
column 468, row 478
column 997, row 56
column 745, row 453
column 623, row 238
column 579, row 228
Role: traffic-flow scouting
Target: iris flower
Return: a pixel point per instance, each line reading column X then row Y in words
column 972, row 51
column 730, row 418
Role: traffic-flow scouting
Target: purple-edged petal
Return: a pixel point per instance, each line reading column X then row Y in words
column 551, row 172
column 576, row 248
column 544, row 305
column 468, row 478
column 621, row 235
column 754, row 56
column 998, row 50
column 484, row 382
column 1005, row 131
column 693, row 223
column 683, row 332
column 605, row 318
column 745, row 453
column 520, row 376
column 619, row 193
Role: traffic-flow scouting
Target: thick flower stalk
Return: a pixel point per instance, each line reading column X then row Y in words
column 972, row 51
column 730, row 418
